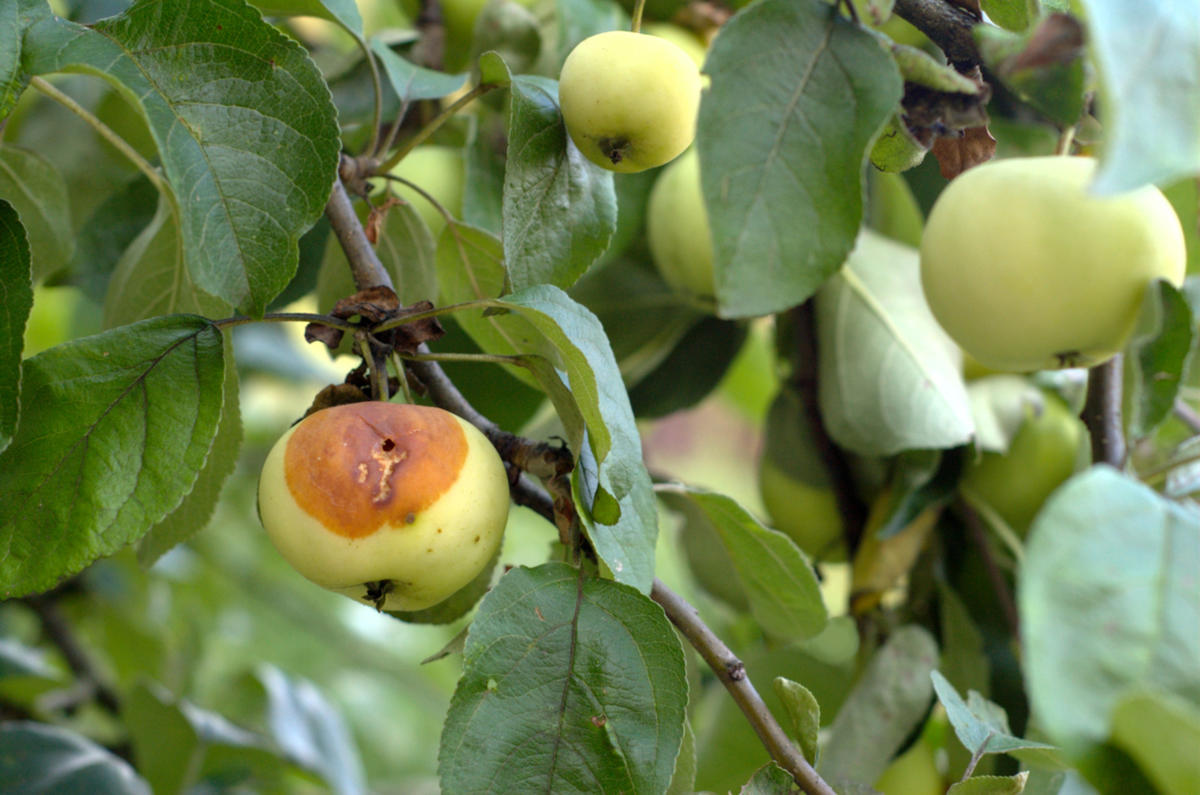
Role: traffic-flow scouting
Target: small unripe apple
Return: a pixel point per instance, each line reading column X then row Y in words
column 807, row 512
column 914, row 772
column 629, row 100
column 677, row 228
column 1040, row 457
column 394, row 505
column 1026, row 270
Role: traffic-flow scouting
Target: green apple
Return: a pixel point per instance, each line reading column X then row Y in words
column 683, row 39
column 677, row 228
column 1027, row 270
column 914, row 772
column 629, row 100
column 459, row 17
column 440, row 171
column 806, row 512
column 395, row 505
column 1040, row 457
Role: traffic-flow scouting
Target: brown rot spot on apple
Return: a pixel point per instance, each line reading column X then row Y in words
column 359, row 467
column 476, row 539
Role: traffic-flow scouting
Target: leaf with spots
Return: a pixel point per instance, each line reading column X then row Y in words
column 570, row 684
column 244, row 125
column 113, row 431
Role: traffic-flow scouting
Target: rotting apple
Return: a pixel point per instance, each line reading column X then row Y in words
column 677, row 228
column 629, row 100
column 1026, row 270
column 395, row 505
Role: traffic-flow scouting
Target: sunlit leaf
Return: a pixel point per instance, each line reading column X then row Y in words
column 782, row 136
column 113, row 431
column 569, row 683
column 243, row 122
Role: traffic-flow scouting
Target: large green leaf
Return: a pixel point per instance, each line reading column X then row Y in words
column 797, row 94
column 570, row 684
column 777, row 577
column 41, row 758
column 889, row 375
column 151, row 279
column 1109, row 601
column 572, row 338
column 35, row 188
column 113, row 431
column 559, row 209
column 1150, row 71
column 889, row 701
column 197, row 507
column 243, row 122
column 16, row 300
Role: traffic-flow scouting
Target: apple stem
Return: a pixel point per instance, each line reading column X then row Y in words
column 638, row 7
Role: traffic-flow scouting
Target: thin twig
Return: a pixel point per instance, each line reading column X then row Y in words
column 1187, row 415
column 60, row 633
column 948, row 26
column 1102, row 413
column 732, row 673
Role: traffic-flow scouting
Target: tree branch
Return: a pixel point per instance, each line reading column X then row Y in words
column 61, row 634
column 732, row 673
column 1102, row 413
column 948, row 26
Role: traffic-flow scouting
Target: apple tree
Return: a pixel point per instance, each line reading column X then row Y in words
column 799, row 496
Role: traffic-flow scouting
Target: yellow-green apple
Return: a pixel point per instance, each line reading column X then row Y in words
column 629, row 100
column 1028, row 270
column 677, row 228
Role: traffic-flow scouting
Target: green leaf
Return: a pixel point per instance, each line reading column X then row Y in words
column 990, row 785
column 33, row 186
column 1108, row 600
column 16, row 289
column 781, row 160
column 1157, row 358
column 981, row 725
column 573, row 340
column 343, row 12
column 493, row 70
column 683, row 780
column 805, row 714
column 412, row 82
column 691, row 370
column 1016, row 15
column 113, row 432
column 1162, row 734
column 778, row 579
column 560, row 210
column 151, row 279
column 311, row 730
column 622, row 530
column 889, row 376
column 109, row 231
column 770, row 779
column 470, row 267
column 243, row 122
column 1057, row 81
column 194, row 513
column 1146, row 53
column 483, row 162
column 42, row 758
column 888, row 702
column 579, row 19
column 569, row 683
